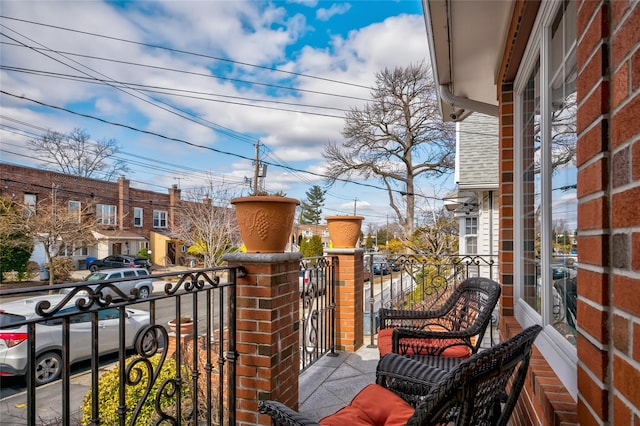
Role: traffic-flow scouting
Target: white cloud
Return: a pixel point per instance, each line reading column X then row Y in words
column 251, row 32
column 324, row 14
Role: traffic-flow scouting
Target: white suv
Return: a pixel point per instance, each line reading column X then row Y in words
column 144, row 282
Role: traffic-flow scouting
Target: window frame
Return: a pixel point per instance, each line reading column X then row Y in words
column 30, row 206
column 112, row 218
column 162, row 219
column 471, row 235
column 138, row 213
column 74, row 211
column 559, row 353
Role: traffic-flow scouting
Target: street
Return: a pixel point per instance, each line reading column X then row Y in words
column 13, row 389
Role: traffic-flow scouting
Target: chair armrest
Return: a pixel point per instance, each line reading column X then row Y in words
column 283, row 415
column 407, row 318
column 429, row 342
column 410, row 379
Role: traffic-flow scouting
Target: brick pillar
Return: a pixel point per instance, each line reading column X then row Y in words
column 349, row 298
column 267, row 334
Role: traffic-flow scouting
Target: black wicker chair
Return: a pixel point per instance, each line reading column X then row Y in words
column 455, row 329
column 480, row 390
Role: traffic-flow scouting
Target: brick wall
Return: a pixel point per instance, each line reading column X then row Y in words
column 609, row 191
column 608, row 161
column 349, row 298
column 267, row 333
column 15, row 181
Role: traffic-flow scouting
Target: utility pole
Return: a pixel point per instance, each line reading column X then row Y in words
column 355, row 200
column 256, row 168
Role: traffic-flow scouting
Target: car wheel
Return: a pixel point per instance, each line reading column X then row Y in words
column 143, row 292
column 93, row 268
column 48, row 368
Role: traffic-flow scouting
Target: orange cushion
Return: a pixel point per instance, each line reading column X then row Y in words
column 374, row 405
column 385, row 346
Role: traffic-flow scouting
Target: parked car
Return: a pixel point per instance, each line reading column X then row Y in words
column 48, row 341
column 380, row 264
column 559, row 272
column 312, row 279
column 119, row 261
column 144, row 283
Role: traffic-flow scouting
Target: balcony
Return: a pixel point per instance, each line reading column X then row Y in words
column 254, row 320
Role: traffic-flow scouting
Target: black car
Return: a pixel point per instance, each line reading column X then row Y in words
column 119, row 261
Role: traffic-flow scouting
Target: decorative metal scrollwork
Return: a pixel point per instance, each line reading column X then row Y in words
column 192, row 282
column 147, row 344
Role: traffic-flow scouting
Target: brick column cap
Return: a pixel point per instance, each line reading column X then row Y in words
column 241, row 258
column 344, row 250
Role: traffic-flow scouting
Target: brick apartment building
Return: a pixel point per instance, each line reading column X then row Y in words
column 127, row 219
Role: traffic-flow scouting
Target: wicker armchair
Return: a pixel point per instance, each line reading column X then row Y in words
column 481, row 390
column 455, row 329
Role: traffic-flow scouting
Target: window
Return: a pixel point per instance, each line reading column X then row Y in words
column 471, row 235
column 137, row 216
column 546, row 181
column 74, row 211
column 159, row 219
column 30, row 203
column 106, row 214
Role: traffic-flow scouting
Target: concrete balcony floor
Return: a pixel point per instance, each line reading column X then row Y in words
column 331, row 382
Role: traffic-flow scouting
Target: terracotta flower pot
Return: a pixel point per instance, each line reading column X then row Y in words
column 265, row 222
column 186, row 325
column 344, row 230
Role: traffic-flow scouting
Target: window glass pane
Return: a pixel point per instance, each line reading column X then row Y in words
column 562, row 89
column 74, row 211
column 137, row 216
column 30, row 202
column 106, row 214
column 530, row 191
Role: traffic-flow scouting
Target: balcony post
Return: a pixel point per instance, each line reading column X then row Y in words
column 268, row 339
column 349, row 298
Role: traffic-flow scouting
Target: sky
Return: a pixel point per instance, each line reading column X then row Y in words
column 188, row 88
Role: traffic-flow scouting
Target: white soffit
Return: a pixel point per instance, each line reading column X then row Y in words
column 466, row 40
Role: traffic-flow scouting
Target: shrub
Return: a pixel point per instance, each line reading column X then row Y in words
column 62, row 268
column 143, row 252
column 108, row 391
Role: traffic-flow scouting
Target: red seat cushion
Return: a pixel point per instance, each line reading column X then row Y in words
column 374, row 405
column 385, row 346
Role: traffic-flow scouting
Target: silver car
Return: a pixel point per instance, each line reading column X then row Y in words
column 13, row 339
column 143, row 283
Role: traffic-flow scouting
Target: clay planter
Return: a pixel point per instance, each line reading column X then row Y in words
column 186, row 325
column 265, row 222
column 344, row 230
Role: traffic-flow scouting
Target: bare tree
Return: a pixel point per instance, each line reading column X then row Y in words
column 207, row 223
column 438, row 237
column 59, row 227
column 396, row 138
column 75, row 154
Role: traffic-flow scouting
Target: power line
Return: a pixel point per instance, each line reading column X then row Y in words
column 156, row 67
column 147, row 132
column 170, row 109
column 187, row 52
column 174, row 92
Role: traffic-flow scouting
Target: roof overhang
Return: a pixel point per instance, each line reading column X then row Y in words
column 466, row 43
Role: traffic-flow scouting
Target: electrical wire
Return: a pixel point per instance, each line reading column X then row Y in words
column 173, row 139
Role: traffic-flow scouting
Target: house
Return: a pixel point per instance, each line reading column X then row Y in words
column 562, row 79
column 474, row 203
column 127, row 218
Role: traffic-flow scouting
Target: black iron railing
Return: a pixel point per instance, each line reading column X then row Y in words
column 418, row 282
column 186, row 376
column 317, row 308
